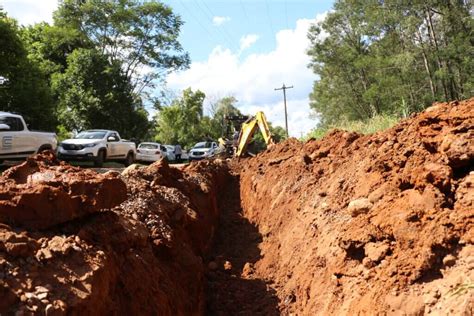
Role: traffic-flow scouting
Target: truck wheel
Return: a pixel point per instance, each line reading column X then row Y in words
column 129, row 160
column 99, row 161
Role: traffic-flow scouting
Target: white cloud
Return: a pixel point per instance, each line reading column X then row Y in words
column 247, row 41
column 219, row 20
column 30, row 11
column 252, row 79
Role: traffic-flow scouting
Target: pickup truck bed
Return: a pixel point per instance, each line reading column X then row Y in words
column 17, row 142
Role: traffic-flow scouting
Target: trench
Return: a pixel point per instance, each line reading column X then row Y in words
column 232, row 288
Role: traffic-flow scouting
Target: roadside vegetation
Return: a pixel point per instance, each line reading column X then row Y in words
column 369, row 126
column 380, row 60
column 94, row 67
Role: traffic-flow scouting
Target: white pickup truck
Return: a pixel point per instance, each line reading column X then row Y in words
column 97, row 145
column 17, row 142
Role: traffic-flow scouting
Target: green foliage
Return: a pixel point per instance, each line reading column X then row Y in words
column 374, row 124
column 218, row 126
column 62, row 133
column 140, row 35
column 26, row 91
column 181, row 122
column 49, row 46
column 94, row 93
column 258, row 144
column 380, row 52
column 92, row 67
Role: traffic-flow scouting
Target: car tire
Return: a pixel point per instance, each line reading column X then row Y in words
column 99, row 161
column 128, row 160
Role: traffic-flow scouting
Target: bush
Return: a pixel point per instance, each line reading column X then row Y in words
column 372, row 125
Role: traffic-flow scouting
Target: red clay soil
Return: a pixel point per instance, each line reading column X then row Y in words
column 347, row 225
column 64, row 250
column 362, row 225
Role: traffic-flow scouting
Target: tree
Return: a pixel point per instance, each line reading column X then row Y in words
column 25, row 89
column 181, row 122
column 141, row 36
column 388, row 57
column 94, row 93
column 50, row 45
column 223, row 107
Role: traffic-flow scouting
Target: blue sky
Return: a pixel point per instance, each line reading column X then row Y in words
column 202, row 31
column 237, row 47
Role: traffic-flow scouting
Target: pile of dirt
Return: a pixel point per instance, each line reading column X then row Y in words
column 42, row 193
column 354, row 224
column 349, row 224
column 76, row 242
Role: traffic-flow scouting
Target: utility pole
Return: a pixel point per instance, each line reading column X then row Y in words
column 284, row 98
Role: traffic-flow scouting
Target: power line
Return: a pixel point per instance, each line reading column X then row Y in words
column 197, row 19
column 224, row 29
column 284, row 99
column 269, row 17
column 245, row 12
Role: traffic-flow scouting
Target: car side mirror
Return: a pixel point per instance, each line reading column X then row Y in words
column 4, row 127
column 110, row 139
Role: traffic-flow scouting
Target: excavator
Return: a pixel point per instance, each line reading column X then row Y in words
column 238, row 146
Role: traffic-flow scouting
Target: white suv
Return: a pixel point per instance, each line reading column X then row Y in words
column 97, row 145
column 203, row 150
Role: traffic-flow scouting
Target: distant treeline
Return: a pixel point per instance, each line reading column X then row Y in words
column 390, row 57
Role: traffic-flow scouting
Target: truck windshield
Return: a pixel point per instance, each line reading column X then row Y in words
column 90, row 135
column 203, row 145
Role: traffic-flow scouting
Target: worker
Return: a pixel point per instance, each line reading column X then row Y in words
column 235, row 141
column 177, row 153
column 235, row 137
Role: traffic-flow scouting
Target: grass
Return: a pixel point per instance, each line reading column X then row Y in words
column 370, row 126
column 462, row 289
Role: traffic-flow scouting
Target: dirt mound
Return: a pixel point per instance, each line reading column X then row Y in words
column 368, row 224
column 140, row 257
column 38, row 194
column 350, row 224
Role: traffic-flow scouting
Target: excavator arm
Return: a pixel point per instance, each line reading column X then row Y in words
column 248, row 130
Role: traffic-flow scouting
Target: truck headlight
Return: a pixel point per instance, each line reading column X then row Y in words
column 89, row 145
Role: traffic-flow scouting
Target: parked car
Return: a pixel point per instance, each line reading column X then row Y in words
column 170, row 152
column 97, row 145
column 150, row 152
column 17, row 142
column 203, row 150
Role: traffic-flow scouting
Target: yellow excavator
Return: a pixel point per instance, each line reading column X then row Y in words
column 248, row 128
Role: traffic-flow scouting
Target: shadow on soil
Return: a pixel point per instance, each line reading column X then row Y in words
column 237, row 291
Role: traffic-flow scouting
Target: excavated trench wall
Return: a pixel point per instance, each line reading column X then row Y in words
column 356, row 224
column 344, row 225
column 76, row 242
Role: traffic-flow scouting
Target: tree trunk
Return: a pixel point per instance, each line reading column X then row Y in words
column 435, row 41
column 427, row 66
